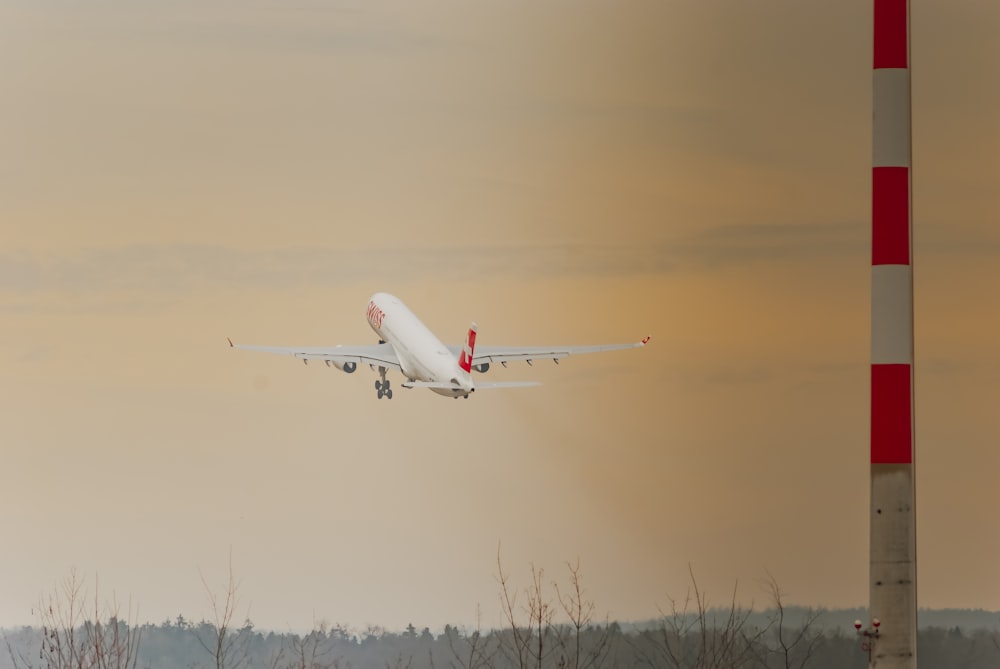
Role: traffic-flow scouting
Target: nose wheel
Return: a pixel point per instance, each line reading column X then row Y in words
column 382, row 385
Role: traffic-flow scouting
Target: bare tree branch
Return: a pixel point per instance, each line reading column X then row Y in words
column 477, row 650
column 691, row 635
column 517, row 649
column 796, row 647
column 70, row 640
column 226, row 645
column 580, row 613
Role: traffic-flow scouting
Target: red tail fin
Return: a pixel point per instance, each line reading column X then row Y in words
column 465, row 359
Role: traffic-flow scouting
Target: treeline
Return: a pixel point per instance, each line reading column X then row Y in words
column 182, row 645
column 548, row 625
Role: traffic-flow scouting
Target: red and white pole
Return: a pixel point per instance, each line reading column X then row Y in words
column 893, row 567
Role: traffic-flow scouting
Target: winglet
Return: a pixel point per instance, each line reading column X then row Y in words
column 465, row 359
column 645, row 340
column 230, row 342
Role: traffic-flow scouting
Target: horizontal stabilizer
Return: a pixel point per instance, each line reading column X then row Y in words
column 430, row 384
column 486, row 384
column 506, row 384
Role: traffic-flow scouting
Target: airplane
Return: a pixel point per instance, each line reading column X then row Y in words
column 407, row 346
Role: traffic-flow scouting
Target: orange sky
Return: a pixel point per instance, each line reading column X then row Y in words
column 175, row 173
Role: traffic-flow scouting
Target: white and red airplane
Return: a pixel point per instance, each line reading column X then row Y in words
column 407, row 346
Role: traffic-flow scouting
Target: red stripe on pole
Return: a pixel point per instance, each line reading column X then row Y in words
column 890, row 216
column 890, row 33
column 892, row 427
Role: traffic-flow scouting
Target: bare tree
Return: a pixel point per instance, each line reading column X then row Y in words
column 794, row 647
column 580, row 611
column 399, row 663
column 540, row 614
column 472, row 651
column 536, row 640
column 228, row 645
column 311, row 651
column 529, row 644
column 694, row 636
column 71, row 640
column 516, row 648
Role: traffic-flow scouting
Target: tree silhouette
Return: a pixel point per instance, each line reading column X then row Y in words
column 72, row 640
column 227, row 645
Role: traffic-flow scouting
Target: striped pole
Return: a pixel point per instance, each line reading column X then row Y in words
column 893, row 577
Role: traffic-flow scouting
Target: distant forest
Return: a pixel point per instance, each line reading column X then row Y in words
column 548, row 626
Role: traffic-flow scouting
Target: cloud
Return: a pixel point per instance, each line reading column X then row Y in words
column 754, row 243
column 174, row 271
column 950, row 240
column 177, row 269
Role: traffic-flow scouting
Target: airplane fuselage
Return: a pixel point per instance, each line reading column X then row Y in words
column 408, row 346
column 422, row 356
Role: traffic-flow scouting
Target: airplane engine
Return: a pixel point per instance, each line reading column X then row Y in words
column 347, row 367
column 481, row 367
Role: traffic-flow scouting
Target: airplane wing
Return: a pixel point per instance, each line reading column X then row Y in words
column 380, row 355
column 505, row 354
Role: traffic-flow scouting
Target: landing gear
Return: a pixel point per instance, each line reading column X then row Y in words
column 382, row 385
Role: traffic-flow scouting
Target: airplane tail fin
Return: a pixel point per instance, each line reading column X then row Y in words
column 465, row 357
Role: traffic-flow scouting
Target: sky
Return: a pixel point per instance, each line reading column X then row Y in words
column 173, row 173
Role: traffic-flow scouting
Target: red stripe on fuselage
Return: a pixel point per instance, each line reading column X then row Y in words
column 375, row 315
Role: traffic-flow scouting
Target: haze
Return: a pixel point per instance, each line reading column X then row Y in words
column 174, row 173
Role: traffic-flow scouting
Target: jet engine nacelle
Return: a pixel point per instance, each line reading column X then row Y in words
column 346, row 367
column 481, row 367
